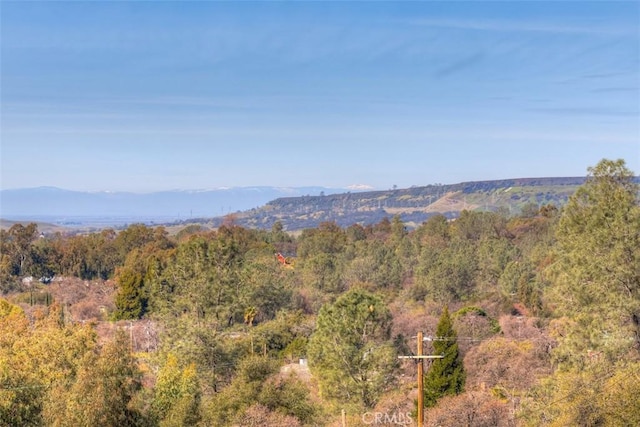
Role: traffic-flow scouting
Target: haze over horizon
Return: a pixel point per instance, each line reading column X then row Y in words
column 146, row 96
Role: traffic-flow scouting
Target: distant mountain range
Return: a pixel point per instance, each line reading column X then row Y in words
column 58, row 205
column 296, row 208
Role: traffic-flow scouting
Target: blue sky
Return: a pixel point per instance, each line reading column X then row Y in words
column 145, row 96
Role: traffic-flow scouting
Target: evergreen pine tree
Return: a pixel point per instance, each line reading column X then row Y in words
column 129, row 299
column 596, row 274
column 351, row 352
column 445, row 376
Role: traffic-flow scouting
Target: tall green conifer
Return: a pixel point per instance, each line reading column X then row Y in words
column 597, row 268
column 445, row 376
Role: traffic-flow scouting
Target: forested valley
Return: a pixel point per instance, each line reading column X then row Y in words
column 537, row 317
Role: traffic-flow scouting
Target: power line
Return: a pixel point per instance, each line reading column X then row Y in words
column 544, row 339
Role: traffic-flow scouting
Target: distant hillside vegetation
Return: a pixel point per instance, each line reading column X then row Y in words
column 414, row 205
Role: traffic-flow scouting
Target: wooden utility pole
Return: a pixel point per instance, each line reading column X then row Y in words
column 419, row 358
column 420, row 381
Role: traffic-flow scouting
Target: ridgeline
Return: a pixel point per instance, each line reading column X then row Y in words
column 413, row 205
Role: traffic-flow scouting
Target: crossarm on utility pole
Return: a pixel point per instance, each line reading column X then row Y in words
column 420, row 357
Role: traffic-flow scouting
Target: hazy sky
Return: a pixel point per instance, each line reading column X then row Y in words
column 144, row 96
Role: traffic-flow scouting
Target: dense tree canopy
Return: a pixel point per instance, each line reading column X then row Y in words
column 150, row 326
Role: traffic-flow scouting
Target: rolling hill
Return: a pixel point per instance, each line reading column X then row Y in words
column 413, row 205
